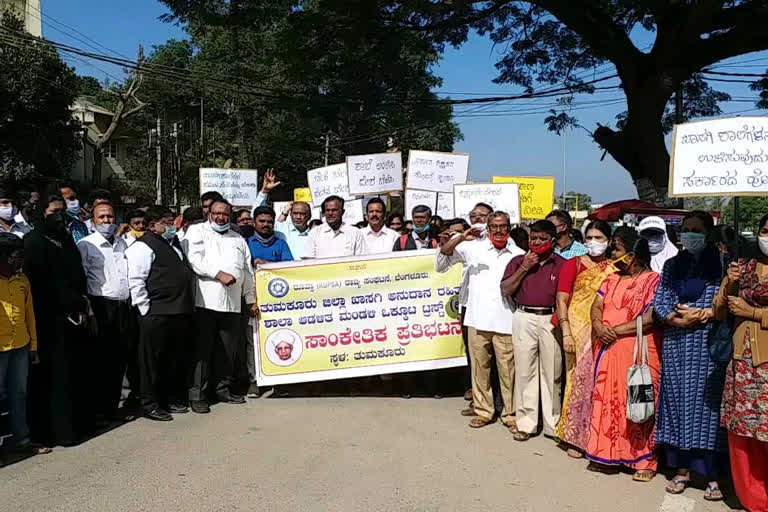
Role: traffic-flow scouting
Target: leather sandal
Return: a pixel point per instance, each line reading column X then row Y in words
column 478, row 422
column 643, row 475
column 713, row 493
column 469, row 411
column 521, row 436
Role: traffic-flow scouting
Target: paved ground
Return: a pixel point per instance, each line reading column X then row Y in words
column 319, row 454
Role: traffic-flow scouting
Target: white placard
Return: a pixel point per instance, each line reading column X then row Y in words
column 500, row 196
column 328, row 181
column 721, row 157
column 375, row 174
column 353, row 212
column 445, row 206
column 430, row 170
column 414, row 198
column 238, row 186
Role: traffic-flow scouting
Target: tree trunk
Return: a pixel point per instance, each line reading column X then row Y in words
column 640, row 147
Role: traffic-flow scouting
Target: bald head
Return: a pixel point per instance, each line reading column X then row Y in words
column 301, row 214
column 103, row 213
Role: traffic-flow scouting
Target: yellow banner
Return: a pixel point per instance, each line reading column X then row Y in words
column 302, row 194
column 536, row 194
column 350, row 317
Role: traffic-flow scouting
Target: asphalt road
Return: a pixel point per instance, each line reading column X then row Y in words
column 319, row 454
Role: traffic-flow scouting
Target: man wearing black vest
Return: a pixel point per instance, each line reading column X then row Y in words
column 162, row 288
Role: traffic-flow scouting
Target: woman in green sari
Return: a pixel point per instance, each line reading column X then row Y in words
column 577, row 288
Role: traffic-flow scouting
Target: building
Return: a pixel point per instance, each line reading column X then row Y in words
column 29, row 11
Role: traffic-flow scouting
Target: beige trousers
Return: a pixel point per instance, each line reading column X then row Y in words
column 480, row 343
column 538, row 372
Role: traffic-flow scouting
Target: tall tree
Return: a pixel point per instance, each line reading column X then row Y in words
column 551, row 41
column 38, row 135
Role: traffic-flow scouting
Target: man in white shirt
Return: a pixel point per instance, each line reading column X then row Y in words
column 137, row 226
column 334, row 238
column 293, row 222
column 162, row 289
column 222, row 261
column 9, row 214
column 106, row 269
column 488, row 315
column 378, row 237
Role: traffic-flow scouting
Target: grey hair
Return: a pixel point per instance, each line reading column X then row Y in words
column 499, row 213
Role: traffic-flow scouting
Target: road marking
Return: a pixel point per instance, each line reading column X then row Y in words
column 676, row 503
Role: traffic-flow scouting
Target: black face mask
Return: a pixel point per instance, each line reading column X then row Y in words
column 247, row 231
column 55, row 221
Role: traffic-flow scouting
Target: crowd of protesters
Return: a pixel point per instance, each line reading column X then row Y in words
column 165, row 303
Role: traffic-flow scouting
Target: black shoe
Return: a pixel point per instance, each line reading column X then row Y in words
column 200, row 407
column 231, row 399
column 158, row 415
column 178, row 409
column 253, row 390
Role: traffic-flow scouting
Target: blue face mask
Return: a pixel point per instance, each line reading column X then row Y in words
column 422, row 229
column 73, row 207
column 169, row 233
column 694, row 242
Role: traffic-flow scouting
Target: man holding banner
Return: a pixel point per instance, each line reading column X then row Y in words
column 334, row 237
column 488, row 315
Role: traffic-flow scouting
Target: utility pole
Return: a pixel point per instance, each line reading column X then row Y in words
column 202, row 123
column 327, row 141
column 679, row 105
column 159, row 177
column 177, row 164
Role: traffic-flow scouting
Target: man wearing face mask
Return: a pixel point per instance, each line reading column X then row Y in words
column 72, row 221
column 8, row 213
column 654, row 229
column 221, row 261
column 531, row 281
column 478, row 217
column 564, row 243
column 106, row 268
column 162, row 288
column 421, row 236
column 488, row 316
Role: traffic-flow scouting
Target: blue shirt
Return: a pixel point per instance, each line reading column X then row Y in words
column 297, row 240
column 77, row 228
column 275, row 252
column 574, row 250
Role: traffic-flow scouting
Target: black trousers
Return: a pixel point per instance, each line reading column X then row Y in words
column 60, row 387
column 132, row 381
column 112, row 346
column 219, row 365
column 163, row 359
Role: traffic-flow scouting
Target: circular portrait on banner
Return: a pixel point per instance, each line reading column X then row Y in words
column 283, row 347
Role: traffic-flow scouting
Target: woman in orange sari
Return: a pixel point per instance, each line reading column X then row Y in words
column 577, row 287
column 613, row 439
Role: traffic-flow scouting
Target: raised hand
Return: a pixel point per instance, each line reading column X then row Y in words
column 270, row 181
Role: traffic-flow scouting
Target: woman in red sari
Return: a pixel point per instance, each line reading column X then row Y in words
column 623, row 296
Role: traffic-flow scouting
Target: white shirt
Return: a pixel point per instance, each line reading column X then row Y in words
column 105, row 265
column 18, row 228
column 140, row 259
column 129, row 239
column 381, row 242
column 487, row 310
column 209, row 253
column 324, row 242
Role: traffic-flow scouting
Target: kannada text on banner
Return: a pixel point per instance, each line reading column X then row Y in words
column 357, row 316
column 238, row 186
column 537, row 194
column 721, row 157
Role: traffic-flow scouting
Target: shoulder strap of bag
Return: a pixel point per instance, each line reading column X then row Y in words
column 403, row 242
column 641, row 344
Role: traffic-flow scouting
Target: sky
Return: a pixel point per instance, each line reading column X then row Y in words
column 512, row 141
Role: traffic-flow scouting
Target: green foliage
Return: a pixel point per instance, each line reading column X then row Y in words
column 38, row 135
column 576, row 201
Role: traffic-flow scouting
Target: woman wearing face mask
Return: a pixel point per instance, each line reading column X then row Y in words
column 654, row 230
column 688, row 418
column 577, row 287
column 623, row 297
column 744, row 294
column 58, row 389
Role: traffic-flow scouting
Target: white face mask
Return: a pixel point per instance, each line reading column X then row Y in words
column 656, row 242
column 482, row 227
column 596, row 248
column 219, row 229
column 8, row 212
column 762, row 242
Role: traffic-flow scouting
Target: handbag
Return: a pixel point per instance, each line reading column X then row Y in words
column 640, row 396
column 720, row 341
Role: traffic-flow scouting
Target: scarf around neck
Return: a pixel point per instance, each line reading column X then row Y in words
column 265, row 242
